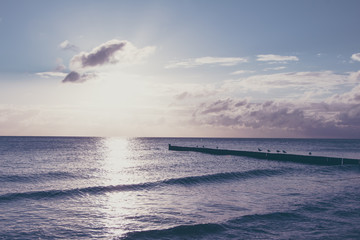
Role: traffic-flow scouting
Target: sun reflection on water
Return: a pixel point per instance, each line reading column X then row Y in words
column 117, row 153
column 119, row 162
column 118, row 168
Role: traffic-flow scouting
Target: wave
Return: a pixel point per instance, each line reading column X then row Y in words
column 71, row 192
column 310, row 220
column 220, row 177
column 184, row 181
column 243, row 227
column 38, row 177
column 182, row 232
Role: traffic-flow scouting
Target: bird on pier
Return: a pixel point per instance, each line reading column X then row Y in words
column 259, row 149
column 284, row 151
column 277, row 151
column 268, row 150
column 310, row 153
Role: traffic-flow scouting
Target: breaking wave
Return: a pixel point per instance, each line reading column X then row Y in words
column 184, row 181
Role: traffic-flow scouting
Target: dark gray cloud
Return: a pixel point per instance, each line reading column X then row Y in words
column 307, row 120
column 97, row 57
column 76, row 77
column 351, row 117
column 218, row 106
column 110, row 52
column 101, row 55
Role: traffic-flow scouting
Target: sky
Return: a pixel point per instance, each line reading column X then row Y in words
column 164, row 68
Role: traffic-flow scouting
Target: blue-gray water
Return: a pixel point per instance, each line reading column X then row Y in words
column 115, row 188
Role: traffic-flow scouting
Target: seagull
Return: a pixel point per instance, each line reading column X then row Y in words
column 268, row 150
column 310, row 153
column 259, row 150
column 284, row 151
column 277, row 151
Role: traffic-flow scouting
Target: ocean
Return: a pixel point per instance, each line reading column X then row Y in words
column 135, row 188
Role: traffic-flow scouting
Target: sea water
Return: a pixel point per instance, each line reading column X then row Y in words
column 135, row 188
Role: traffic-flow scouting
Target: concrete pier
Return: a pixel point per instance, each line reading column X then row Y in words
column 308, row 159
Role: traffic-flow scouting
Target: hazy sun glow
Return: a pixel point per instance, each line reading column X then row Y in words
column 239, row 69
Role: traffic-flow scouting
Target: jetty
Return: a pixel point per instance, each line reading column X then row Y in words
column 307, row 159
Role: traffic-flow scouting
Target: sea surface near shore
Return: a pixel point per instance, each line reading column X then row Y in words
column 135, row 188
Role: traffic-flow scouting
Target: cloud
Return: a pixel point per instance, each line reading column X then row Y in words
column 304, row 104
column 218, row 106
column 66, row 45
column 354, row 76
column 76, row 77
column 103, row 54
column 241, row 72
column 290, row 118
column 59, row 65
column 276, row 58
column 111, row 52
column 274, row 68
column 51, row 74
column 57, row 72
column 193, row 91
column 304, row 81
column 195, row 62
column 356, row 57
column 84, row 64
column 351, row 97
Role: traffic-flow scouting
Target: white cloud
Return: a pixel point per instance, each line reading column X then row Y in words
column 59, row 65
column 51, row 74
column 293, row 80
column 222, row 61
column 275, row 68
column 354, row 76
column 241, row 72
column 57, row 72
column 356, row 57
column 66, row 45
column 276, row 58
column 351, row 97
column 192, row 91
